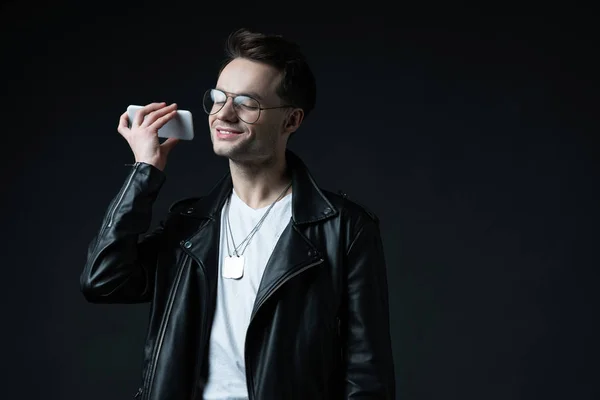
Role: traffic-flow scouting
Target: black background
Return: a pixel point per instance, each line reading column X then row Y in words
column 474, row 141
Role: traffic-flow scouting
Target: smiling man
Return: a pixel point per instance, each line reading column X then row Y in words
column 268, row 287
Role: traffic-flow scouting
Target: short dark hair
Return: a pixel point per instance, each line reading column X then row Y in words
column 298, row 86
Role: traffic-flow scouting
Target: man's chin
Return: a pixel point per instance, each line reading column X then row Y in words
column 226, row 151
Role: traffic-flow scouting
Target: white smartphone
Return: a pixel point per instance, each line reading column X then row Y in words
column 181, row 126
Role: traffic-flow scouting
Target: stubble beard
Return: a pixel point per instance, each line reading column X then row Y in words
column 244, row 151
column 249, row 151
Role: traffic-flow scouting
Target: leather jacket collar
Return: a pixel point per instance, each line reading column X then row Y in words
column 309, row 204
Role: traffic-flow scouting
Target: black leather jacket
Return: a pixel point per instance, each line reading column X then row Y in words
column 320, row 323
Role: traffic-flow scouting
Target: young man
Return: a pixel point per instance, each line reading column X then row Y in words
column 266, row 288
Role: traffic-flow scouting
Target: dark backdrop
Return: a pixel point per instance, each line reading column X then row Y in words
column 474, row 140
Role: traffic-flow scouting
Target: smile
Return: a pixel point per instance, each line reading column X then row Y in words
column 227, row 132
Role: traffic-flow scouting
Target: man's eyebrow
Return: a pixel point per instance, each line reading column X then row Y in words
column 249, row 94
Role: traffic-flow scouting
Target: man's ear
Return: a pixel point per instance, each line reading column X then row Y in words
column 294, row 120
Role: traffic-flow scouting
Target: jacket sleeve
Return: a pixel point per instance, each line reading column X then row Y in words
column 368, row 351
column 120, row 263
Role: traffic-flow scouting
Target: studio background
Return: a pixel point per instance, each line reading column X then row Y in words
column 474, row 142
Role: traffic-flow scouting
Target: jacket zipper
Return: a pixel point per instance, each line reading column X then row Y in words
column 204, row 327
column 340, row 339
column 205, row 309
column 150, row 378
column 113, row 209
column 121, row 195
column 249, row 380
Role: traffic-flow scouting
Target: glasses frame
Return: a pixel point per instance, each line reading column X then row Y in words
column 233, row 97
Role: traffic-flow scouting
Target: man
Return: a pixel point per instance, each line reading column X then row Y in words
column 267, row 287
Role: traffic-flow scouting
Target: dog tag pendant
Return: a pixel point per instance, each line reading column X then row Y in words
column 233, row 267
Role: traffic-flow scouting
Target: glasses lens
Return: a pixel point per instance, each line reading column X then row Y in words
column 213, row 101
column 247, row 108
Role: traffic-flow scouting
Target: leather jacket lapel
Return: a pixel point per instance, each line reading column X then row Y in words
column 203, row 246
column 292, row 254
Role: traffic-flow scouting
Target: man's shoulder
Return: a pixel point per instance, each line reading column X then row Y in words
column 349, row 207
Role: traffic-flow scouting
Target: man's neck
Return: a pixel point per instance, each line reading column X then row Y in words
column 259, row 185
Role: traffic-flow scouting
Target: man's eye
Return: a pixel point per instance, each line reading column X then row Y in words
column 248, row 107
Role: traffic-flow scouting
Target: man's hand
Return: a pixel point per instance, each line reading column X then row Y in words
column 142, row 137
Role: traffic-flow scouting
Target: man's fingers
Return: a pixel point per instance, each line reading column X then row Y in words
column 123, row 126
column 158, row 114
column 164, row 119
column 138, row 119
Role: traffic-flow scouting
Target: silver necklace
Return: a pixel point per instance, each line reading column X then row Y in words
column 233, row 264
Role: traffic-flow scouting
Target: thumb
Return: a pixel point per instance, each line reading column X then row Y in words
column 169, row 144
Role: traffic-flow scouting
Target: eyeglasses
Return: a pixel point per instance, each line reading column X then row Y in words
column 246, row 108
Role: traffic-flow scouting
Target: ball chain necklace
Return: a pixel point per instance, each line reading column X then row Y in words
column 233, row 265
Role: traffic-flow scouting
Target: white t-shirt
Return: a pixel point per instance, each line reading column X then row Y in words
column 235, row 297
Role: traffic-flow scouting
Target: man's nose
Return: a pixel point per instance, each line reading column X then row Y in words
column 227, row 113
